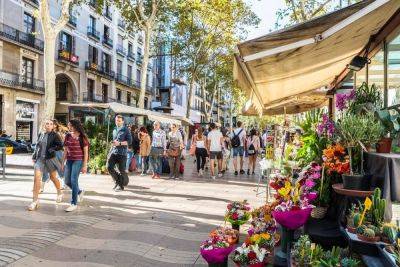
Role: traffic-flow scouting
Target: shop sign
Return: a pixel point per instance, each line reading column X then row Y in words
column 25, row 110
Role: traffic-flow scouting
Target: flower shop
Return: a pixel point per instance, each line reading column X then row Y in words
column 338, row 73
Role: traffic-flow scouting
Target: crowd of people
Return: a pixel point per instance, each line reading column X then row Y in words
column 62, row 153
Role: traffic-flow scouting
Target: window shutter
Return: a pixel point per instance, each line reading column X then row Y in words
column 90, row 52
column 73, row 45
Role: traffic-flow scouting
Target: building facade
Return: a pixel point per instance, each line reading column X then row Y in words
column 97, row 60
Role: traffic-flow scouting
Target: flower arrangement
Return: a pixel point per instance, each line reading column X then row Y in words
column 263, row 240
column 262, row 220
column 250, row 255
column 344, row 100
column 326, row 127
column 219, row 245
column 335, row 159
column 238, row 212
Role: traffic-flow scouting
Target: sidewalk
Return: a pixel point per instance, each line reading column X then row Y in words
column 151, row 223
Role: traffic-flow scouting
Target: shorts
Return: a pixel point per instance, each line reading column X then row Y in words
column 238, row 151
column 215, row 154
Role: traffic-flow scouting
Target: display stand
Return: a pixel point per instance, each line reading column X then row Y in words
column 282, row 254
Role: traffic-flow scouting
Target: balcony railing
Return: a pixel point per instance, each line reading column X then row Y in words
column 67, row 56
column 13, row 80
column 140, row 39
column 35, row 2
column 139, row 59
column 23, row 38
column 92, row 33
column 88, row 97
column 99, row 69
column 108, row 14
column 119, row 78
column 136, row 84
column 131, row 56
column 72, row 21
column 121, row 50
column 107, row 41
column 121, row 24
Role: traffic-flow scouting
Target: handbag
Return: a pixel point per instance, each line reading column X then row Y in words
column 173, row 152
column 192, row 149
column 133, row 165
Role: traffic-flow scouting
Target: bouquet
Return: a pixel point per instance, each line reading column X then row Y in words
column 250, row 255
column 219, row 245
column 238, row 213
column 263, row 240
column 335, row 159
column 262, row 221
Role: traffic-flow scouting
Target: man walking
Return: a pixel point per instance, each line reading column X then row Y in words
column 158, row 150
column 122, row 138
column 238, row 141
column 214, row 144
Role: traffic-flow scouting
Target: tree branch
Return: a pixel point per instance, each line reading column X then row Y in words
column 64, row 17
column 320, row 8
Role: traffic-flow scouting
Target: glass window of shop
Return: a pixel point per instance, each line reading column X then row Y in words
column 376, row 71
column 393, row 71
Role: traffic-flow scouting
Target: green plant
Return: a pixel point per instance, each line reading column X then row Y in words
column 304, row 254
column 331, row 258
column 349, row 262
column 372, row 130
column 367, row 99
column 356, row 219
column 377, row 210
column 390, row 120
column 324, row 190
column 390, row 231
column 368, row 232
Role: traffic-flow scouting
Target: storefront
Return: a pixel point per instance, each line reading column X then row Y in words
column 26, row 113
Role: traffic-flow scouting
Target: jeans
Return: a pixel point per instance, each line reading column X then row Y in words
column 156, row 160
column 145, row 163
column 71, row 174
column 120, row 161
column 46, row 176
column 201, row 155
column 238, row 151
column 129, row 159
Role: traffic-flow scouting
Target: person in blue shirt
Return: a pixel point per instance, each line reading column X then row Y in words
column 122, row 138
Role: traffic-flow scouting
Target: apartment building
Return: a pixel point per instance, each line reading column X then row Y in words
column 97, row 60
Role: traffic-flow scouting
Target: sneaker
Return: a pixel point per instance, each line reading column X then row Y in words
column 201, row 173
column 59, row 198
column 213, row 177
column 236, row 173
column 241, row 171
column 143, row 174
column 71, row 208
column 119, row 189
column 219, row 175
column 34, row 205
column 253, row 173
column 177, row 178
column 248, row 172
column 81, row 195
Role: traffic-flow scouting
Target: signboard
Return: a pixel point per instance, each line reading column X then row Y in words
column 25, row 110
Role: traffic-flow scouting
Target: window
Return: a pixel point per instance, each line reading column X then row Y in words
column 393, row 69
column 120, row 40
column 130, row 49
column 66, row 42
column 104, row 92
column 119, row 95
column 92, row 23
column 27, row 71
column 106, row 32
column 119, row 67
column 128, row 98
column 138, row 75
column 139, row 55
column 376, row 72
column 129, row 72
column 93, row 54
column 62, row 89
column 90, row 88
column 146, row 101
column 107, row 62
column 29, row 23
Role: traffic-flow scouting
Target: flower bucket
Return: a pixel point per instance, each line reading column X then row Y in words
column 319, row 212
column 384, row 145
column 292, row 219
column 216, row 255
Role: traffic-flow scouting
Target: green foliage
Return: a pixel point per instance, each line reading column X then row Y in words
column 331, row 258
column 390, row 231
column 349, row 262
column 350, row 130
column 356, row 219
column 373, row 130
column 367, row 99
column 324, row 192
column 377, row 211
column 390, row 119
column 303, row 254
column 97, row 135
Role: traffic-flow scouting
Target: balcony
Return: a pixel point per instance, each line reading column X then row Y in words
column 107, row 41
column 140, row 39
column 100, row 70
column 14, row 80
column 72, row 21
column 197, row 93
column 108, row 14
column 149, row 89
column 119, row 78
column 68, row 57
column 139, row 59
column 121, row 24
column 23, row 38
column 93, row 3
column 121, row 50
column 92, row 33
column 131, row 56
column 88, row 97
column 33, row 2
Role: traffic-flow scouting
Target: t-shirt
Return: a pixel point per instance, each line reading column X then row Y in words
column 242, row 134
column 73, row 147
column 215, row 140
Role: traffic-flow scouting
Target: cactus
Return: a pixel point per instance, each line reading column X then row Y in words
column 369, row 233
column 356, row 219
column 374, row 228
column 377, row 211
column 361, row 229
column 390, row 231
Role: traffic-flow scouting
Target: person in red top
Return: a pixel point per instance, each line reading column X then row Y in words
column 76, row 154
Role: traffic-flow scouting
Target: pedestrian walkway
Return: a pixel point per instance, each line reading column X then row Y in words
column 152, row 223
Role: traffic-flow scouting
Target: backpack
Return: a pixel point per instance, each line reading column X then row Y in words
column 235, row 142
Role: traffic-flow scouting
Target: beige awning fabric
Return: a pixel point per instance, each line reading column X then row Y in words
column 292, row 68
column 185, row 121
column 114, row 106
column 162, row 118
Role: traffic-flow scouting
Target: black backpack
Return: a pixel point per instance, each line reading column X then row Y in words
column 235, row 142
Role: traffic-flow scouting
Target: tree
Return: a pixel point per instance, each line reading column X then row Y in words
column 297, row 11
column 50, row 32
column 203, row 30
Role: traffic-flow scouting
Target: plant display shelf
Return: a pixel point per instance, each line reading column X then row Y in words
column 361, row 247
column 338, row 188
column 387, row 259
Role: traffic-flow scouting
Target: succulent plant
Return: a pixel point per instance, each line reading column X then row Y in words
column 390, row 231
column 374, row 228
column 349, row 262
column 356, row 219
column 369, row 233
column 361, row 229
column 377, row 211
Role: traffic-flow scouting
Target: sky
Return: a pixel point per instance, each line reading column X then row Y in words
column 265, row 10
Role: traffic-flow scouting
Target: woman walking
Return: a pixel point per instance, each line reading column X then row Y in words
column 145, row 146
column 226, row 150
column 201, row 150
column 44, row 157
column 253, row 146
column 76, row 156
column 174, row 151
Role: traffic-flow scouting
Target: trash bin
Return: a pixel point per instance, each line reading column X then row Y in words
column 3, row 156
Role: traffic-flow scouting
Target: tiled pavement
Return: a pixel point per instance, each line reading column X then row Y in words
column 151, row 223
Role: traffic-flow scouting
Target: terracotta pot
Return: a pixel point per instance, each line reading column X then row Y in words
column 384, row 145
column 369, row 239
column 351, row 229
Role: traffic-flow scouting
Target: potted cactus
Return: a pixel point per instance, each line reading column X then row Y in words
column 376, row 214
column 367, row 233
column 389, row 233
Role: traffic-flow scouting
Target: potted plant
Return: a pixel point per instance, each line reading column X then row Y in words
column 390, row 120
column 304, row 253
column 250, row 256
column 238, row 213
column 389, row 233
column 352, row 133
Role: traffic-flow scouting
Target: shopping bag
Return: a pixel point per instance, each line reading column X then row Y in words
column 192, row 149
column 181, row 168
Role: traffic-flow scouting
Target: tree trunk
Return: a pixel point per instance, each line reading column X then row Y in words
column 145, row 64
column 189, row 99
column 49, row 75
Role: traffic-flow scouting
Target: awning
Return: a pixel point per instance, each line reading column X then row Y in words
column 162, row 118
column 293, row 67
column 185, row 121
